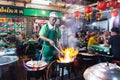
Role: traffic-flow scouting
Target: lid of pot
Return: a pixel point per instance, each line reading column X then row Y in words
column 102, row 71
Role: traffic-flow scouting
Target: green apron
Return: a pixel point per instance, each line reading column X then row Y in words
column 48, row 51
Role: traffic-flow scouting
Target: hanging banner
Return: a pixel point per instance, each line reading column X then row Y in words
column 39, row 12
column 4, row 9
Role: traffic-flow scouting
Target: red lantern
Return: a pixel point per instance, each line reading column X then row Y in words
column 114, row 13
column 88, row 12
column 101, row 5
column 113, row 4
column 108, row 4
column 98, row 16
column 118, row 5
column 88, row 9
column 76, row 14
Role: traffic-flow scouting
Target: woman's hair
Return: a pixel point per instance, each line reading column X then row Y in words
column 94, row 33
column 76, row 35
column 115, row 29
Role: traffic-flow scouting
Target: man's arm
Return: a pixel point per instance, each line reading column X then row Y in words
column 47, row 39
column 43, row 33
column 106, row 42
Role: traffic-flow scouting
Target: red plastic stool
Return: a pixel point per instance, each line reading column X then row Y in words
column 116, row 61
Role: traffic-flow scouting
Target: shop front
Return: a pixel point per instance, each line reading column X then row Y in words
column 36, row 18
column 11, row 19
column 16, row 19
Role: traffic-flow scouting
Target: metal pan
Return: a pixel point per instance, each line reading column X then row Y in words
column 36, row 64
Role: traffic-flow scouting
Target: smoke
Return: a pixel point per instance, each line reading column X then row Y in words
column 71, row 28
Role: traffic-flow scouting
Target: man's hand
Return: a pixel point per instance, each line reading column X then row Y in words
column 51, row 42
column 47, row 39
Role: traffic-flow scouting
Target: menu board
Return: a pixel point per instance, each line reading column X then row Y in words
column 11, row 25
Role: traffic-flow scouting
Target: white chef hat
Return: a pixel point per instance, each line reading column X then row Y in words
column 53, row 14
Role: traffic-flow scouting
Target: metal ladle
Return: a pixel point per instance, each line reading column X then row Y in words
column 58, row 50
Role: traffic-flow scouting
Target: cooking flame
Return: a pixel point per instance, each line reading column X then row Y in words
column 69, row 55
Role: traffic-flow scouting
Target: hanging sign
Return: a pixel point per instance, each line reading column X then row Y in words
column 4, row 9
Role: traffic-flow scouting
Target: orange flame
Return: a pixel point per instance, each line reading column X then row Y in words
column 69, row 55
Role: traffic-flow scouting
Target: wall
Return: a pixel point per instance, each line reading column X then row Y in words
column 101, row 25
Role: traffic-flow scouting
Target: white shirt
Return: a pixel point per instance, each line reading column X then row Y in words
column 50, row 26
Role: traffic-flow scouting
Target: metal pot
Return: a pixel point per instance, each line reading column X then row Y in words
column 102, row 71
column 5, row 64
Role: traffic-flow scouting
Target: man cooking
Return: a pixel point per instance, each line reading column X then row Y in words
column 50, row 33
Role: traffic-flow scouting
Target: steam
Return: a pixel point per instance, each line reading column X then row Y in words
column 71, row 27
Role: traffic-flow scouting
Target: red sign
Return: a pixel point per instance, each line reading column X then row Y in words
column 41, row 21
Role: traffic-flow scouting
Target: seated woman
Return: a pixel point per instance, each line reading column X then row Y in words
column 87, row 36
column 80, row 39
column 105, row 36
column 94, row 39
column 79, row 36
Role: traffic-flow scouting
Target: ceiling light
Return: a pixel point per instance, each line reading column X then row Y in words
column 43, row 2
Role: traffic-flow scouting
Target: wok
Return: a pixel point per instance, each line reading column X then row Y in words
column 31, row 41
column 102, row 71
column 87, row 54
column 36, row 64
